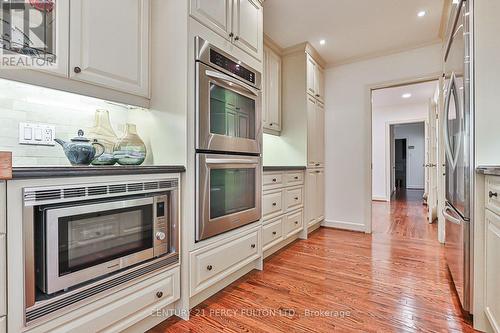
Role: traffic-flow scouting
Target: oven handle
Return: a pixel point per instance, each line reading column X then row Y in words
column 248, row 161
column 449, row 217
column 227, row 78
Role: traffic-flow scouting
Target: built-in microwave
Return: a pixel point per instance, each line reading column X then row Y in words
column 84, row 239
column 228, row 191
column 228, row 103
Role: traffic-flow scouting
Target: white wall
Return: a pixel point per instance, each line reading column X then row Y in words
column 348, row 128
column 381, row 118
column 415, row 158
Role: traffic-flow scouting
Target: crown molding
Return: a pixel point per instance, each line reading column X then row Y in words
column 270, row 43
column 383, row 53
column 307, row 48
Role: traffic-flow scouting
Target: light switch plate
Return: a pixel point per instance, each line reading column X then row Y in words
column 37, row 134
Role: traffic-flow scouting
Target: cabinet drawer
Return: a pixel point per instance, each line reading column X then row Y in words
column 272, row 204
column 493, row 194
column 212, row 265
column 272, row 233
column 3, row 325
column 294, row 178
column 294, row 198
column 272, row 180
column 3, row 277
column 293, row 223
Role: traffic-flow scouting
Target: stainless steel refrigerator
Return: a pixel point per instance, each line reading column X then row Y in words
column 458, row 136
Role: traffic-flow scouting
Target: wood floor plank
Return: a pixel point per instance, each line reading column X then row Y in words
column 394, row 280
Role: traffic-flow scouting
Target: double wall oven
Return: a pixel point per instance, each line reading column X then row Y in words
column 228, row 142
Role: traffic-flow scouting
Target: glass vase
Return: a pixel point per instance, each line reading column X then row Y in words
column 130, row 149
column 103, row 133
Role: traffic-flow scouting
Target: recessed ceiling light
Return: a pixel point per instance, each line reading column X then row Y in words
column 422, row 13
column 407, row 95
column 322, row 42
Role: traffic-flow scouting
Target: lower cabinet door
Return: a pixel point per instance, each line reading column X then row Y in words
column 492, row 270
column 272, row 233
column 293, row 223
column 3, row 324
column 212, row 264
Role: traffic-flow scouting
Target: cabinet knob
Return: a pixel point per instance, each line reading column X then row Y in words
column 231, row 35
column 296, row 177
column 274, row 180
column 77, row 70
column 296, row 222
column 317, row 95
column 317, row 164
column 252, row 246
column 274, row 233
column 493, row 194
column 271, row 124
column 209, row 267
column 159, row 294
column 296, row 198
column 237, row 38
column 274, row 204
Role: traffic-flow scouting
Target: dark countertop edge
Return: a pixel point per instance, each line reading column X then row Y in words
column 493, row 170
column 87, row 171
column 283, row 168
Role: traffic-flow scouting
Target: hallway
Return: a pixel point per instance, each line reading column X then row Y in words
column 395, row 280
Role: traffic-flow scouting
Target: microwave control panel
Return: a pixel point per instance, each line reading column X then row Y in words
column 161, row 225
column 231, row 66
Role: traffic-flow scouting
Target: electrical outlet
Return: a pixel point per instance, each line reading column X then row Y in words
column 37, row 134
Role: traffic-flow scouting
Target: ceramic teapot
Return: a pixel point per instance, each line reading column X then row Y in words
column 80, row 151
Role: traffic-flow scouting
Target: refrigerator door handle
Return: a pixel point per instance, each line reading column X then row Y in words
column 452, row 89
column 449, row 217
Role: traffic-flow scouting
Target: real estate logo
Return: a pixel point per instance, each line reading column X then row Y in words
column 28, row 33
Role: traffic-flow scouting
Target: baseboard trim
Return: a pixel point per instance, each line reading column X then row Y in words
column 344, row 225
column 414, row 187
column 377, row 198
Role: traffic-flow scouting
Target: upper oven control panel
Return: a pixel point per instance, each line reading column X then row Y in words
column 218, row 59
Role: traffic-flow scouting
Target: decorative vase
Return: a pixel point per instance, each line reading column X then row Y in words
column 103, row 133
column 130, row 149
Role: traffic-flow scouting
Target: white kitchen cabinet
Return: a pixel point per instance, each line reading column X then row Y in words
column 110, row 44
column 239, row 21
column 315, row 79
column 216, row 15
column 315, row 133
column 3, row 324
column 315, row 196
column 248, row 26
column 319, row 77
column 3, row 275
column 320, row 134
column 271, row 112
column 492, row 270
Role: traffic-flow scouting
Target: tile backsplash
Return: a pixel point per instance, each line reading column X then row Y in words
column 68, row 112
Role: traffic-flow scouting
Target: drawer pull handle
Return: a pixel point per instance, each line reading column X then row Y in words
column 296, row 177
column 159, row 294
column 274, row 233
column 493, row 194
column 77, row 70
column 296, row 222
column 209, row 267
column 296, row 198
column 317, row 164
column 274, row 204
column 252, row 246
column 274, row 180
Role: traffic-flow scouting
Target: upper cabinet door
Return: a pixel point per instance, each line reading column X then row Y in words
column 248, row 26
column 110, row 44
column 311, row 76
column 272, row 90
column 216, row 15
column 320, row 83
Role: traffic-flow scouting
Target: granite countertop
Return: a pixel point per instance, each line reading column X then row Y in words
column 283, row 168
column 493, row 170
column 86, row 171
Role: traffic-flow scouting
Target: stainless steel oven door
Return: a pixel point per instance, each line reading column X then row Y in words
column 229, row 193
column 88, row 241
column 228, row 113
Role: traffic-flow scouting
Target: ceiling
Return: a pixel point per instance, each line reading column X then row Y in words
column 353, row 29
column 420, row 93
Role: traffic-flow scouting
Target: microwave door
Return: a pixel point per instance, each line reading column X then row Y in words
column 229, row 193
column 227, row 113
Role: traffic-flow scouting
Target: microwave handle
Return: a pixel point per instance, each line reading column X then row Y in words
column 227, row 78
column 247, row 161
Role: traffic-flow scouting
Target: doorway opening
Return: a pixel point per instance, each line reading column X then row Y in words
column 404, row 149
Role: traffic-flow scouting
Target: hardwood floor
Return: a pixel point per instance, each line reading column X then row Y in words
column 392, row 281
